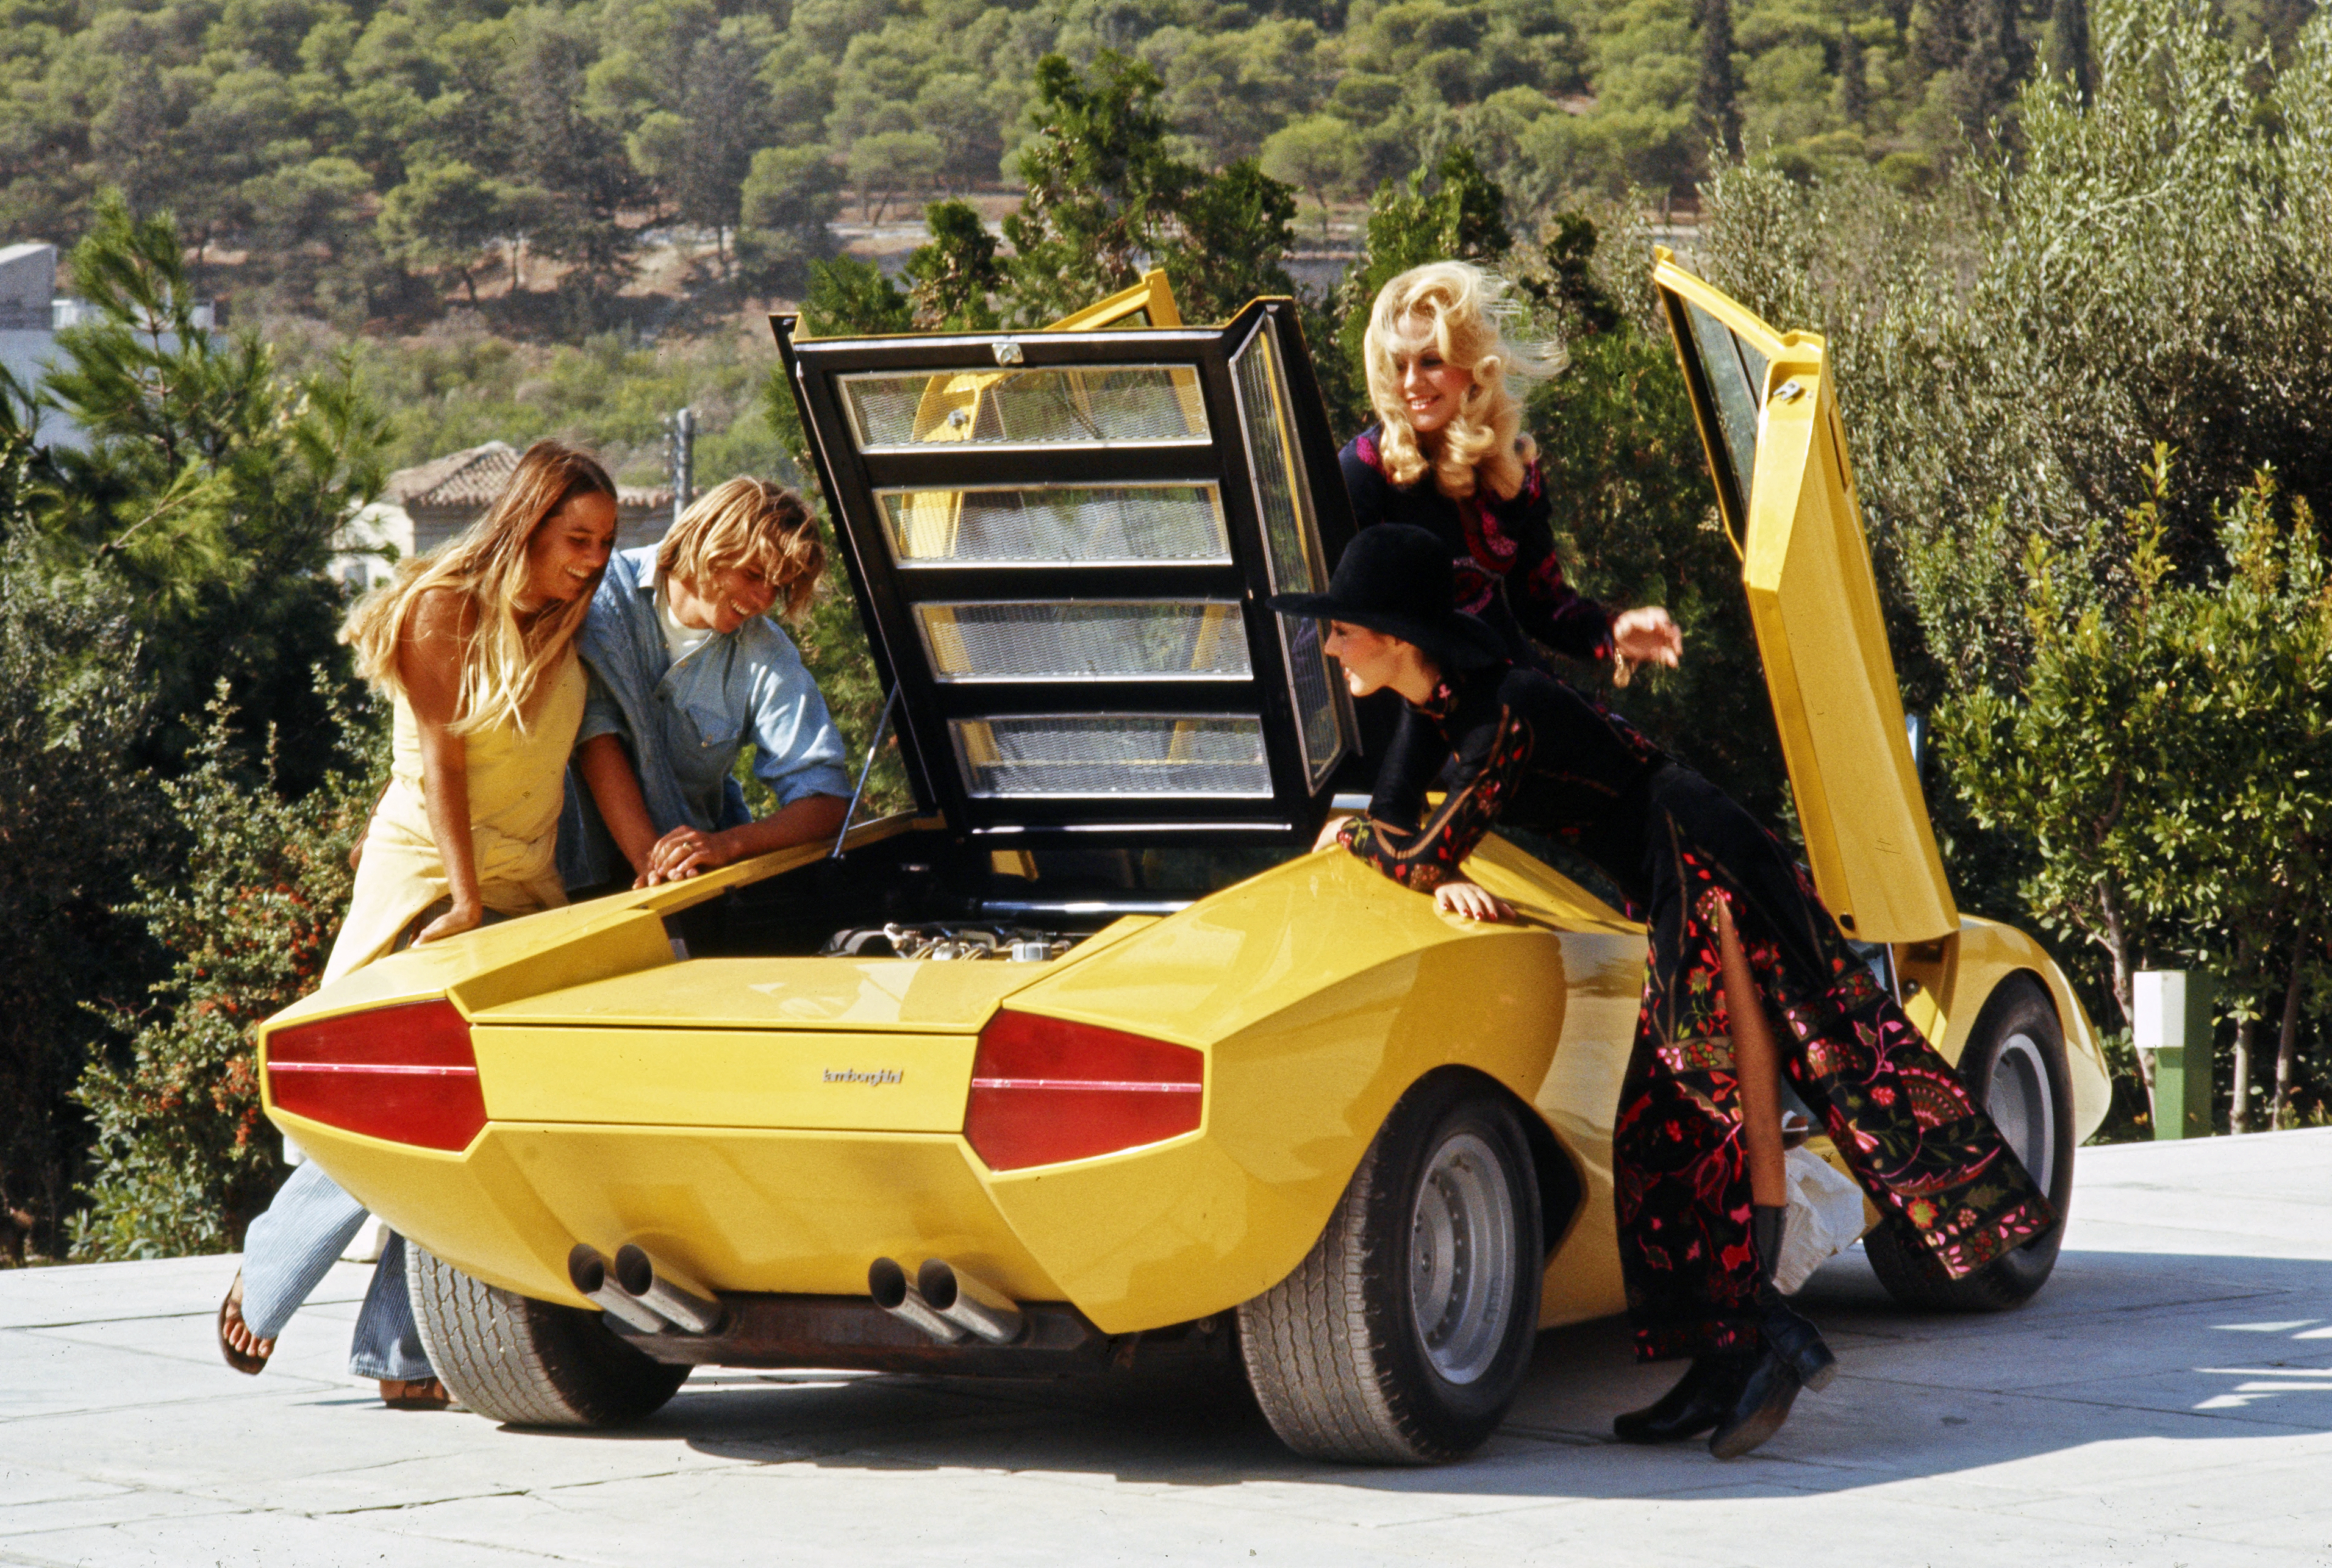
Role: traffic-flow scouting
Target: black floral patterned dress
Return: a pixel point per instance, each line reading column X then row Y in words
column 1502, row 553
column 1530, row 750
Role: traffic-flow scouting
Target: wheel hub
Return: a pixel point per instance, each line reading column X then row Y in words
column 1461, row 1257
column 2018, row 1101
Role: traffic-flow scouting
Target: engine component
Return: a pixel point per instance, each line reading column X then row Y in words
column 945, row 943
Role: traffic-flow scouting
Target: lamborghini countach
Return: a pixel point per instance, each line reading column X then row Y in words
column 1086, row 1063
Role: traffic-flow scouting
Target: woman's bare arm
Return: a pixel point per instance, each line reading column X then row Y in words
column 429, row 667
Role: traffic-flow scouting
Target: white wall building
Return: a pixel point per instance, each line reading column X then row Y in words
column 32, row 315
column 28, row 313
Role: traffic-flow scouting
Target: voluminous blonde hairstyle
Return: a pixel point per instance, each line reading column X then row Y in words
column 504, row 657
column 1462, row 312
column 752, row 524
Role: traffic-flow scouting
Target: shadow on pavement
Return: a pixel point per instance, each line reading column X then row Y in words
column 2117, row 1346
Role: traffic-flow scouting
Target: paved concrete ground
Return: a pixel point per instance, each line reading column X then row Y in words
column 2167, row 1400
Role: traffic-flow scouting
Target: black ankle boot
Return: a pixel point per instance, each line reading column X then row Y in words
column 1701, row 1398
column 1792, row 1357
column 1795, row 1340
column 1759, row 1408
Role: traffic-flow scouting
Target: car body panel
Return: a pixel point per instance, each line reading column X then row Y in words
column 1765, row 403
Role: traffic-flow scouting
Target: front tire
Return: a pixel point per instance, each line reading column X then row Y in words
column 511, row 1358
column 2014, row 1066
column 1403, row 1336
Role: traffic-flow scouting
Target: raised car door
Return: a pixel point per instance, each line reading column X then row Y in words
column 1769, row 418
column 1063, row 541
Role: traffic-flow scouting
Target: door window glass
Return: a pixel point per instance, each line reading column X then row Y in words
column 1291, row 547
column 1736, row 378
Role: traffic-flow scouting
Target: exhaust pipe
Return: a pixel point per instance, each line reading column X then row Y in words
column 895, row 1293
column 969, row 1303
column 588, row 1272
column 679, row 1302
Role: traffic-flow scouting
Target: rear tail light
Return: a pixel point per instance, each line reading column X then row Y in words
column 405, row 1074
column 1044, row 1090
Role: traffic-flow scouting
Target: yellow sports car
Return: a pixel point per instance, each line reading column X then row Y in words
column 1087, row 1063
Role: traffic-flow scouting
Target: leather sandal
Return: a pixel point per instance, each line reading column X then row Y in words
column 413, row 1394
column 249, row 1362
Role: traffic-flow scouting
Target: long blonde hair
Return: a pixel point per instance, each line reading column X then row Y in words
column 753, row 523
column 503, row 659
column 1464, row 311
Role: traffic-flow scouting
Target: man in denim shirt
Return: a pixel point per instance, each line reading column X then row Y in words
column 685, row 668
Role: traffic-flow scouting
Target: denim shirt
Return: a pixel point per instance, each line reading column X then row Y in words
column 685, row 722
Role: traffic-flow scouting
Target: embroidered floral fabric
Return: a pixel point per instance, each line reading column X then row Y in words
column 1908, row 1128
column 1502, row 553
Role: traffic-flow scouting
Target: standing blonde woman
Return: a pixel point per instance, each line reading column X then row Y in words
column 1448, row 453
column 474, row 646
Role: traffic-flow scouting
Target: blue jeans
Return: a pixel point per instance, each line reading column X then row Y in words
column 289, row 1249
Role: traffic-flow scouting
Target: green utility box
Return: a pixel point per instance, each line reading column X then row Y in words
column 2172, row 1019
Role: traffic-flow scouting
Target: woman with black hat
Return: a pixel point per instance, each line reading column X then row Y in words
column 1737, row 936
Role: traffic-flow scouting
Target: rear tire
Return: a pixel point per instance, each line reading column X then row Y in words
column 511, row 1358
column 2014, row 1066
column 1403, row 1336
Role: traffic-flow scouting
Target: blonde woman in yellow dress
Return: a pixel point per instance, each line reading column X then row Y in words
column 474, row 646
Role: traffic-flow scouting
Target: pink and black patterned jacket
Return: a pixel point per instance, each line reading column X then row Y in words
column 1503, row 553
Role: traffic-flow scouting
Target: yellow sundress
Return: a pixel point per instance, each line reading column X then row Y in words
column 516, row 778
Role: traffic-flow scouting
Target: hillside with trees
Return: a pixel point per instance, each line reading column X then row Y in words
column 355, row 158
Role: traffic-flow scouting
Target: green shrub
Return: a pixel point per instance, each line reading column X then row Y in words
column 183, row 1157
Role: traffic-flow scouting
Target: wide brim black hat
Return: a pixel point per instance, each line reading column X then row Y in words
column 1397, row 579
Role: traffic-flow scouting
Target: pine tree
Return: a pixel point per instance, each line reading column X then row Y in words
column 1998, row 58
column 2068, row 47
column 1716, row 96
column 1854, row 77
column 951, row 278
column 1102, row 187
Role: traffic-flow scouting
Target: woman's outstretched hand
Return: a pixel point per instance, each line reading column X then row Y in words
column 1473, row 902
column 1646, row 635
column 453, row 923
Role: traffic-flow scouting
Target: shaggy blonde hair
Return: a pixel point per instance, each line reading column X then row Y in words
column 753, row 524
column 1461, row 313
column 503, row 659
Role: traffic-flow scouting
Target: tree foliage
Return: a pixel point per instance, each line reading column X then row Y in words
column 207, row 491
column 77, row 822
column 2023, row 358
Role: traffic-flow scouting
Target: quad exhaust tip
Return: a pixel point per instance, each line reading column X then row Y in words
column 944, row 1302
column 637, row 1290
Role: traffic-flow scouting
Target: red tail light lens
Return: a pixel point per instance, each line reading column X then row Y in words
column 405, row 1074
column 1044, row 1090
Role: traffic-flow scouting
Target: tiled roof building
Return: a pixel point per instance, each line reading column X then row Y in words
column 422, row 507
